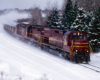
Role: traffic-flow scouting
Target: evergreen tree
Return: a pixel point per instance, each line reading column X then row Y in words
column 75, row 11
column 80, row 24
column 48, row 22
column 95, row 31
column 53, row 20
column 90, row 16
column 68, row 15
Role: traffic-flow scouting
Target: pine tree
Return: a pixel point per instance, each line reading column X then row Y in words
column 48, row 22
column 79, row 24
column 53, row 20
column 95, row 31
column 68, row 15
column 75, row 10
column 90, row 16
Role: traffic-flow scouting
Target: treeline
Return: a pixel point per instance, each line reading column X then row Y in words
column 74, row 17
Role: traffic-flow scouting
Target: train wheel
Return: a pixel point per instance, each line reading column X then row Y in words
column 60, row 54
column 64, row 55
column 32, row 43
column 41, row 47
column 89, row 58
column 86, row 59
column 47, row 48
column 68, row 56
column 76, row 59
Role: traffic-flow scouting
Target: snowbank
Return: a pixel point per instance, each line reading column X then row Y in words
column 95, row 59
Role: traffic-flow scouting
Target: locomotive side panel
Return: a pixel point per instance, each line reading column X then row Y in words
column 56, row 38
column 47, row 33
column 34, row 30
column 21, row 30
column 10, row 29
column 38, row 33
column 13, row 30
column 35, row 33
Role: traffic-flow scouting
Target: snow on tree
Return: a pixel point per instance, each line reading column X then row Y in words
column 79, row 24
column 54, row 20
column 68, row 15
column 75, row 10
column 90, row 16
column 95, row 30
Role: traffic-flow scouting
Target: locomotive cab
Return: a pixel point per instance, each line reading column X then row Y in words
column 79, row 47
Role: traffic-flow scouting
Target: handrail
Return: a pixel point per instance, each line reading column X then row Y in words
column 90, row 48
column 40, row 40
column 71, row 50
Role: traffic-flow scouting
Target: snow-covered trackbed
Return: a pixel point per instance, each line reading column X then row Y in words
column 91, row 67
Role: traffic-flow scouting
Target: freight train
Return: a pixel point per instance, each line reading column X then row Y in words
column 70, row 44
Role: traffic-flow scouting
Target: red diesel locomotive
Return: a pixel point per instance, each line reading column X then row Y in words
column 72, row 45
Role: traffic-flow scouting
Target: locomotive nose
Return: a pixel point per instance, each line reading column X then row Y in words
column 81, row 46
column 81, row 51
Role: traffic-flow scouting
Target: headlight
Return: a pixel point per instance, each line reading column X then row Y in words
column 76, row 50
column 87, row 51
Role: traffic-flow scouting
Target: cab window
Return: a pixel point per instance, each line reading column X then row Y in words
column 84, row 37
column 79, row 37
column 74, row 37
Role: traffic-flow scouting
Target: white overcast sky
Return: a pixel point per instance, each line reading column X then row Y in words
column 25, row 4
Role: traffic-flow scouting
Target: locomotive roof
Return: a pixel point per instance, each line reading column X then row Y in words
column 69, row 31
column 65, row 31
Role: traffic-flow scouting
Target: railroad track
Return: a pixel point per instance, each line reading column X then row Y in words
column 91, row 67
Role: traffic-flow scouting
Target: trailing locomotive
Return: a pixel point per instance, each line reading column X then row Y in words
column 71, row 45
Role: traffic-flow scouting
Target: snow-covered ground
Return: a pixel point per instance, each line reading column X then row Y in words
column 20, row 60
column 95, row 59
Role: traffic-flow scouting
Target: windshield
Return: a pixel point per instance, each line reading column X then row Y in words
column 77, row 37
